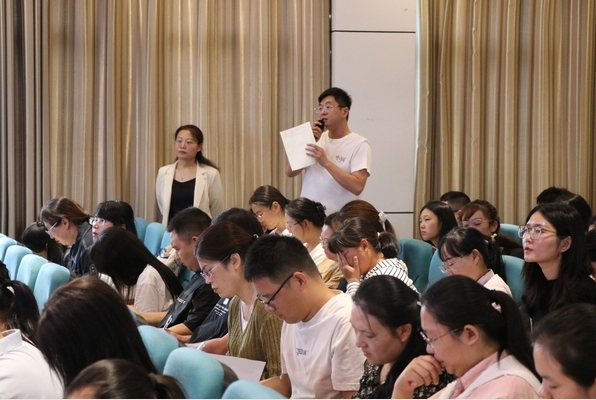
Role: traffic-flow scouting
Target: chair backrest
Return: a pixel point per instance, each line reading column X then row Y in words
column 29, row 269
column 12, row 258
column 154, row 236
column 141, row 226
column 417, row 255
column 49, row 278
column 165, row 240
column 511, row 231
column 513, row 270
column 5, row 243
column 199, row 374
column 184, row 276
column 159, row 344
column 244, row 389
column 434, row 272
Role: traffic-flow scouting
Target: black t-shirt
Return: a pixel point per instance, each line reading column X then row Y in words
column 215, row 325
column 192, row 306
column 183, row 194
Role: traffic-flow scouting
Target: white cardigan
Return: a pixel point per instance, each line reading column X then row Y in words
column 208, row 190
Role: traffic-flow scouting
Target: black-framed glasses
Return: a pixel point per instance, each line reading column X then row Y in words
column 49, row 231
column 430, row 341
column 534, row 231
column 267, row 302
column 208, row 274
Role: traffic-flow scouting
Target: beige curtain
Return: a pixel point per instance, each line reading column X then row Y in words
column 507, row 100
column 92, row 92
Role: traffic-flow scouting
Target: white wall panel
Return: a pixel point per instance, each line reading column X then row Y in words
column 373, row 15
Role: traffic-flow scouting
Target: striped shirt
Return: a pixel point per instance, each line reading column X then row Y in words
column 390, row 266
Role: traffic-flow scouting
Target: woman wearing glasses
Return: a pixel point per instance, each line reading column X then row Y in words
column 193, row 180
column 464, row 251
column 141, row 279
column 362, row 252
column 385, row 317
column 556, row 271
column 112, row 213
column 476, row 334
column 253, row 332
column 304, row 220
column 482, row 215
column 268, row 205
column 68, row 223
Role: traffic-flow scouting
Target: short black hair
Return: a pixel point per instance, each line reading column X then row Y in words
column 189, row 222
column 455, row 199
column 340, row 95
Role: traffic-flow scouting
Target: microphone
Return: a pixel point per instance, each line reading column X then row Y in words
column 321, row 124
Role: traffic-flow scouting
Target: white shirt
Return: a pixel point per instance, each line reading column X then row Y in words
column 151, row 292
column 492, row 281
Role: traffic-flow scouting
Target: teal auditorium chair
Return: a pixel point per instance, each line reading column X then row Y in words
column 29, row 269
column 513, row 270
column 154, row 236
column 184, row 276
column 12, row 258
column 434, row 270
column 49, row 278
column 417, row 255
column 5, row 243
column 244, row 389
column 159, row 344
column 165, row 240
column 141, row 226
column 511, row 231
column 199, row 374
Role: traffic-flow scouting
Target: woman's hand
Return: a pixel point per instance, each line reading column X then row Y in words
column 350, row 272
column 422, row 371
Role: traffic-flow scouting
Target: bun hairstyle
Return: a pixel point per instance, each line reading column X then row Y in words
column 303, row 209
column 221, row 240
column 363, row 209
column 266, row 195
column 351, row 232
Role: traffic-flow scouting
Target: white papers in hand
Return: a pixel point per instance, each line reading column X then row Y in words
column 245, row 369
column 295, row 140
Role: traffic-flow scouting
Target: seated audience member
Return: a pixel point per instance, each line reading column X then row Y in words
column 268, row 205
column 481, row 215
column 562, row 195
column 476, row 334
column 363, row 252
column 363, row 209
column 18, row 309
column 38, row 241
column 68, row 223
column 386, row 317
column 456, row 201
column 304, row 220
column 564, row 352
column 112, row 213
column 253, row 333
column 86, row 321
column 591, row 250
column 197, row 300
column 326, row 232
column 435, row 219
column 138, row 276
column 216, row 323
column 464, row 251
column 319, row 358
column 121, row 379
column 556, row 271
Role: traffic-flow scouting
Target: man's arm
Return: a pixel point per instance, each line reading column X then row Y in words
column 152, row 318
column 290, row 173
column 348, row 395
column 280, row 384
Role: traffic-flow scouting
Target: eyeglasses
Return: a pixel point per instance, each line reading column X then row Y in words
column 208, row 274
column 98, row 221
column 430, row 341
column 188, row 142
column 259, row 214
column 49, row 231
column 446, row 266
column 267, row 302
column 534, row 231
column 290, row 226
column 327, row 107
column 324, row 242
column 473, row 222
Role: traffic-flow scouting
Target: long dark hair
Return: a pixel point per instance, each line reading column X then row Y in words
column 63, row 207
column 221, row 240
column 353, row 230
column 303, row 209
column 197, row 134
column 574, row 265
column 444, row 215
column 121, row 255
column 393, row 304
column 462, row 241
column 456, row 301
column 569, row 342
column 35, row 238
column 117, row 212
column 18, row 308
column 85, row 321
column 491, row 214
column 361, row 208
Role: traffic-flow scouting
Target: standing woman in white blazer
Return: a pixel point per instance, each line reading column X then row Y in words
column 192, row 180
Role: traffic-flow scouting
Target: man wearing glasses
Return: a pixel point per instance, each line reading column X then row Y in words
column 343, row 157
column 319, row 357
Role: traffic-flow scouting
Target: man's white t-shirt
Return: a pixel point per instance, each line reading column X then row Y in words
column 351, row 153
column 320, row 356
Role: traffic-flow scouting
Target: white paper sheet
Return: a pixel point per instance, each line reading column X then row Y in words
column 243, row 367
column 295, row 140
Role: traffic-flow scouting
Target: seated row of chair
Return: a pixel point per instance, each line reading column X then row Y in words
column 200, row 375
column 153, row 234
